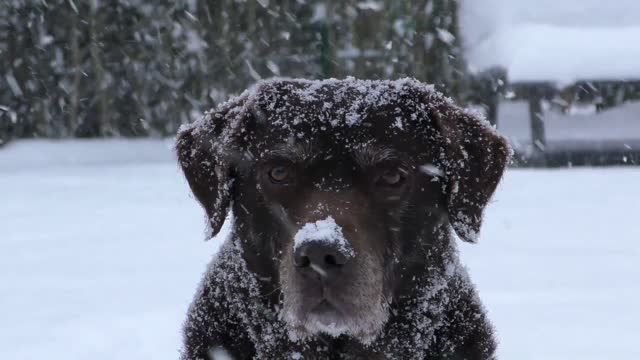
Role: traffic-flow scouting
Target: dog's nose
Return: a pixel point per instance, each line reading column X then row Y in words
column 323, row 259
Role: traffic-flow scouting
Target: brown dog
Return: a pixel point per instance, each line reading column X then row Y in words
column 344, row 193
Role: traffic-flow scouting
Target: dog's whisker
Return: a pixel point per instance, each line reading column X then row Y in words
column 277, row 288
column 388, row 302
column 267, row 295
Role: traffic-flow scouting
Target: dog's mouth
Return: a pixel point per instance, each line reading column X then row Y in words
column 326, row 317
column 333, row 316
column 326, row 310
column 344, row 301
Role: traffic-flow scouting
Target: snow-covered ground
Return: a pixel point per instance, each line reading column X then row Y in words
column 101, row 250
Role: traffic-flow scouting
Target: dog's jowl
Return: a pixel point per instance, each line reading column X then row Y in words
column 344, row 196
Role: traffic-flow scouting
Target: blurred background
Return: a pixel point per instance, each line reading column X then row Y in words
column 100, row 249
column 560, row 78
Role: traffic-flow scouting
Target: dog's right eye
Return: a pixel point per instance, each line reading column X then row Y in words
column 391, row 177
column 280, row 174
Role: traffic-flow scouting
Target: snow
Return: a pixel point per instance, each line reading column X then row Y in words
column 355, row 98
column 560, row 41
column 481, row 16
column 431, row 170
column 100, row 258
column 326, row 231
column 360, row 96
column 220, row 354
column 38, row 154
column 557, row 264
column 540, row 52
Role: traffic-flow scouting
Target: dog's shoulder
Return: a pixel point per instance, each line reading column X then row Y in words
column 225, row 309
column 441, row 317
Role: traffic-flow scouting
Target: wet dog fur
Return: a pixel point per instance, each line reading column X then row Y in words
column 397, row 166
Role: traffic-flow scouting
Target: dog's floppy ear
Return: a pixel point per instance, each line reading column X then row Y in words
column 204, row 166
column 474, row 157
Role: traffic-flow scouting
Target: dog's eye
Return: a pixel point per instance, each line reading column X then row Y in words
column 279, row 174
column 391, row 177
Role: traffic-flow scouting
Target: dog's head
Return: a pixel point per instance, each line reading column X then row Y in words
column 338, row 187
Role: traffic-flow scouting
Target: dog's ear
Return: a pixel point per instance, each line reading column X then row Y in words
column 204, row 166
column 474, row 157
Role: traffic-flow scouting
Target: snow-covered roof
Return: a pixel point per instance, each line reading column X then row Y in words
column 561, row 41
column 562, row 54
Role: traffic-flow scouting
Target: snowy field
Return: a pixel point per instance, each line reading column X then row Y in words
column 101, row 250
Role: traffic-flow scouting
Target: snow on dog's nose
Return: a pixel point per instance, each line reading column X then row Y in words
column 321, row 248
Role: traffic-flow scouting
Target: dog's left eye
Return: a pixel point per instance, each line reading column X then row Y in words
column 279, row 174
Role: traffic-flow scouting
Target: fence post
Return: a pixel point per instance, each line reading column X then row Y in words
column 536, row 118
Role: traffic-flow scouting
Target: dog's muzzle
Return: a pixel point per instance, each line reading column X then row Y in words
column 321, row 251
column 320, row 262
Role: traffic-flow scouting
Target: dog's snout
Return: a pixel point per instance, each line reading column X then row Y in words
column 320, row 258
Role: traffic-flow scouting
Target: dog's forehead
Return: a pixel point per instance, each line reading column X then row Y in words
column 341, row 114
column 365, row 144
column 365, row 153
column 339, row 104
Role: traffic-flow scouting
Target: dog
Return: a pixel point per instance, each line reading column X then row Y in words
column 345, row 196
